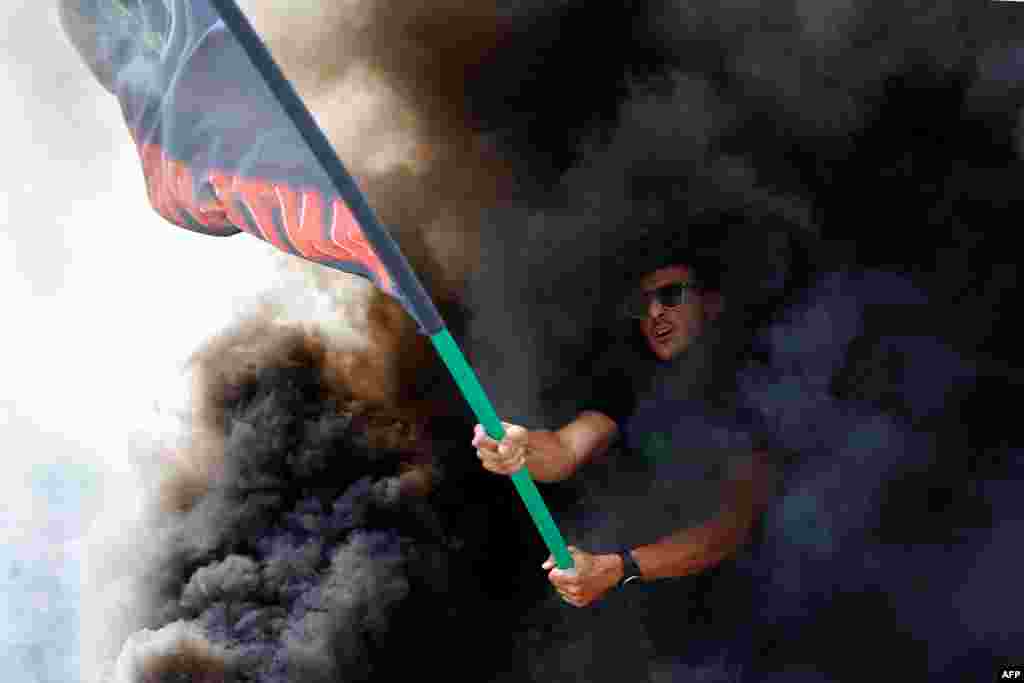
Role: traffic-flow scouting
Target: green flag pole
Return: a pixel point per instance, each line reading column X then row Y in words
column 468, row 383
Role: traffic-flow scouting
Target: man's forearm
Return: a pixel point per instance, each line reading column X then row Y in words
column 556, row 455
column 548, row 458
column 690, row 551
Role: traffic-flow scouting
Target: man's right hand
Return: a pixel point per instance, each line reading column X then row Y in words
column 506, row 456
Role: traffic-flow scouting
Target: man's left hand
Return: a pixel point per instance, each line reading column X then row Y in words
column 591, row 578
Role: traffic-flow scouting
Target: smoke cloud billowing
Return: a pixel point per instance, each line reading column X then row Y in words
column 841, row 170
column 303, row 531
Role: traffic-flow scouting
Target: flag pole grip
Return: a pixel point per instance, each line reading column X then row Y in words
column 468, row 383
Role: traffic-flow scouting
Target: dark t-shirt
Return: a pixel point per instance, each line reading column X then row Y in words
column 666, row 473
column 676, row 449
column 613, row 394
column 682, row 434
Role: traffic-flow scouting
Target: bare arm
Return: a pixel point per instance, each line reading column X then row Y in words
column 555, row 456
column 692, row 550
column 548, row 455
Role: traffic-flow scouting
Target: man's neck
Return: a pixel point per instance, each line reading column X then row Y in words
column 688, row 376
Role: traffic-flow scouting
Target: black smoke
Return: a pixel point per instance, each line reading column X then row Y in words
column 848, row 166
column 852, row 169
column 303, row 556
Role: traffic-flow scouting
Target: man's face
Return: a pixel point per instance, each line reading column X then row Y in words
column 670, row 331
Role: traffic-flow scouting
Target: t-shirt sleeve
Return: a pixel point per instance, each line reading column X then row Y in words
column 611, row 394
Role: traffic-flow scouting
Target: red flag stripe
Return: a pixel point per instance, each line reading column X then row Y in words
column 302, row 215
column 260, row 198
column 346, row 235
column 170, row 185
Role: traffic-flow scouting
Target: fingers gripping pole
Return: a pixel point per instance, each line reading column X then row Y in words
column 474, row 394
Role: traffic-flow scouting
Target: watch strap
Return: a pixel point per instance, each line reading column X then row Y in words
column 630, row 569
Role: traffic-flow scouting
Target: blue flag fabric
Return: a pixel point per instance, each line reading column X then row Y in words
column 225, row 142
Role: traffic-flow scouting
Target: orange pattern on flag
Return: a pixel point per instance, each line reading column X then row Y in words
column 299, row 226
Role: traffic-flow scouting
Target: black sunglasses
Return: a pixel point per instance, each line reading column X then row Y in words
column 676, row 294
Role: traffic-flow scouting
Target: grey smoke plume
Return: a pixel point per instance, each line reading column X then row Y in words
column 169, row 653
column 294, row 525
column 843, row 164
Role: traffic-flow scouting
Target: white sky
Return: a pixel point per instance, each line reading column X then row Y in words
column 102, row 302
column 103, row 298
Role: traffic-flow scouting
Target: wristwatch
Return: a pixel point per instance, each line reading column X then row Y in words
column 630, row 569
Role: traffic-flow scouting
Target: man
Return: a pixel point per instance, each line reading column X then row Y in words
column 676, row 314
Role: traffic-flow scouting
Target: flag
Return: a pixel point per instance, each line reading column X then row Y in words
column 227, row 146
column 225, row 143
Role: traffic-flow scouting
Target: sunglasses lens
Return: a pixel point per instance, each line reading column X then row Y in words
column 638, row 305
column 672, row 295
